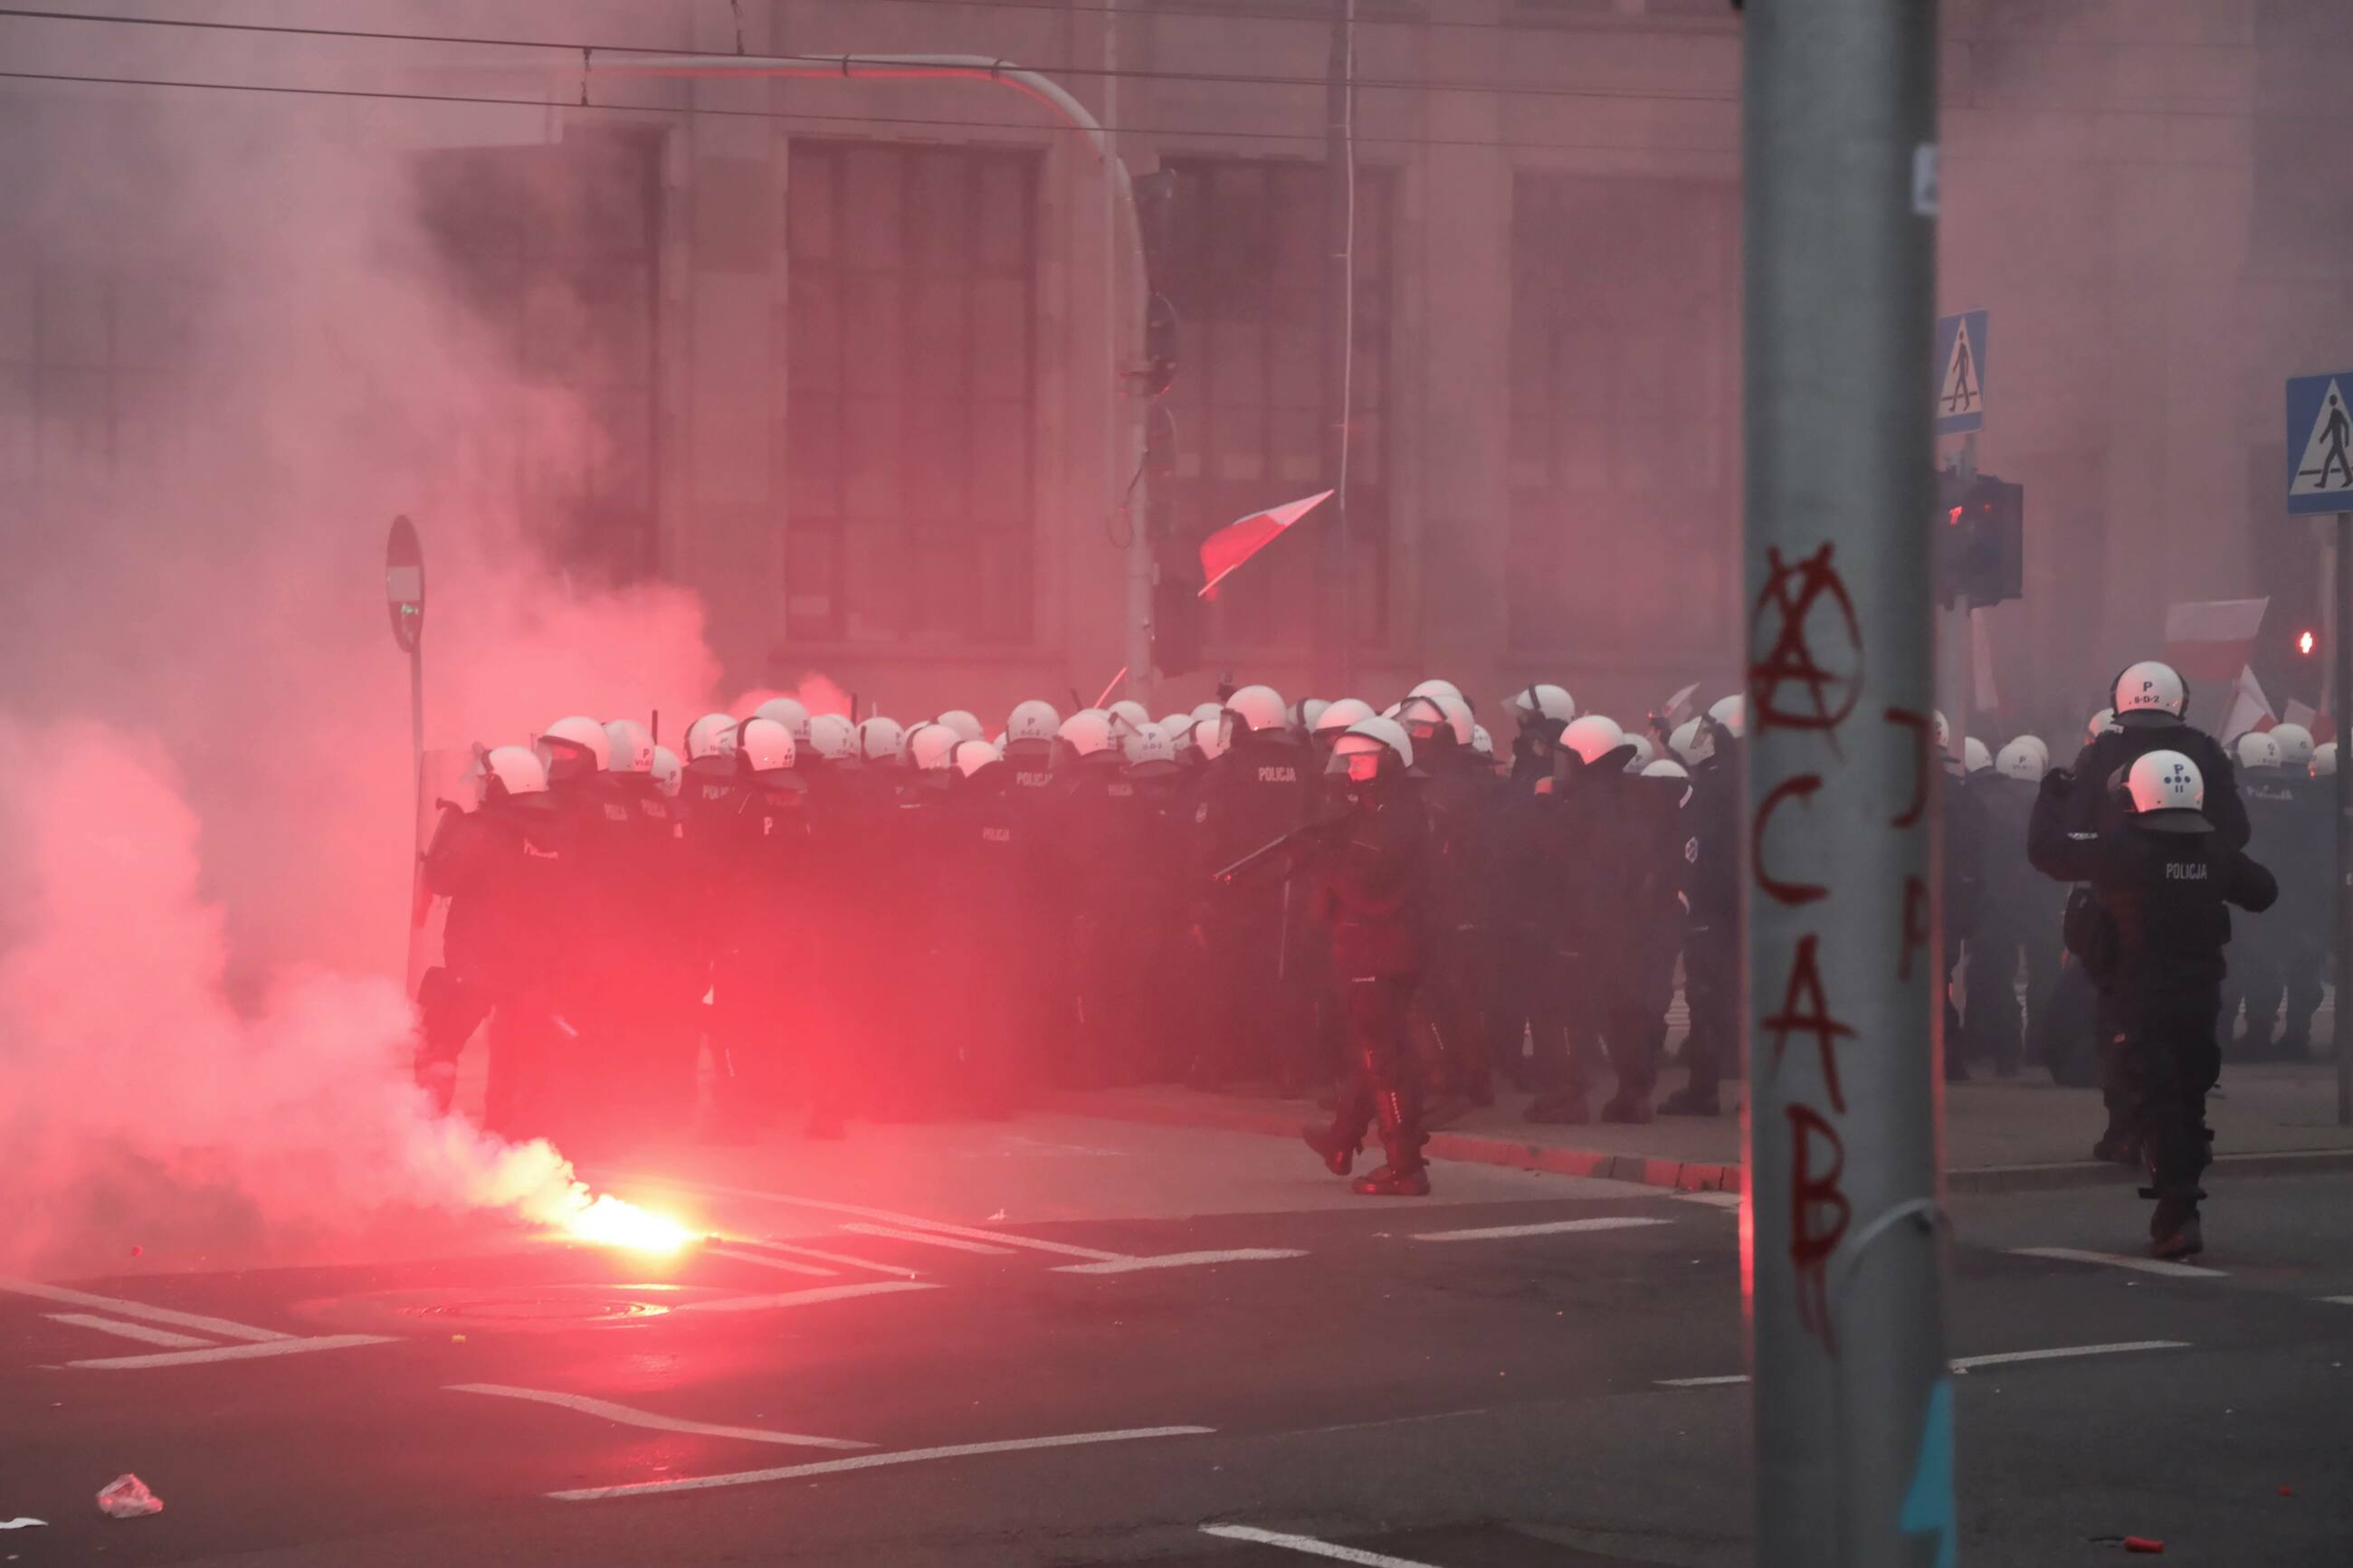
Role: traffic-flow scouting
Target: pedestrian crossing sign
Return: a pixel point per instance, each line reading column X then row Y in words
column 1960, row 373
column 2319, row 444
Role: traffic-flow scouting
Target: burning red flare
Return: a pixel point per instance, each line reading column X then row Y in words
column 609, row 1221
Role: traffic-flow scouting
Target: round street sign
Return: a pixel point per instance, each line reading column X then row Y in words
column 404, row 584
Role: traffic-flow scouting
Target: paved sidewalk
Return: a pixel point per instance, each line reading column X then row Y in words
column 2268, row 1118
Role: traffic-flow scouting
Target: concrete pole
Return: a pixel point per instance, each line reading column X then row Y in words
column 1853, row 1402
column 1124, row 434
column 1334, row 609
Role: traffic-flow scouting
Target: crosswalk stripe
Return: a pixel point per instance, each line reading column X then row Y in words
column 139, row 1331
column 2161, row 1265
column 220, row 1328
column 926, row 1238
column 743, row 1256
column 230, row 1352
column 1555, row 1227
column 606, row 1410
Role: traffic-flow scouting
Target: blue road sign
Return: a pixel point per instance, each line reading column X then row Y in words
column 1960, row 373
column 2319, row 444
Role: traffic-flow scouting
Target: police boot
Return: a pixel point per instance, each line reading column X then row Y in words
column 1404, row 1176
column 1630, row 1106
column 1691, row 1101
column 1337, row 1149
column 2173, row 1228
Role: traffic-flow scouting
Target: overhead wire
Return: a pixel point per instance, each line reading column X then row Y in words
column 923, row 123
column 575, row 46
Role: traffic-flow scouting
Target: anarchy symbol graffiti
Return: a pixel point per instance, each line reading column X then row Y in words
column 1801, row 653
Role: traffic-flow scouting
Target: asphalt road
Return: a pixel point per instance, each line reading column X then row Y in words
column 1075, row 1343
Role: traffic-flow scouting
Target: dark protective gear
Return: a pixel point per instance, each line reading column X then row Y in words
column 1261, row 1026
column 2017, row 918
column 2258, row 976
column 753, row 831
column 1371, row 886
column 2168, row 896
column 2108, row 755
column 1712, row 934
column 1460, row 794
column 1097, row 848
column 997, row 901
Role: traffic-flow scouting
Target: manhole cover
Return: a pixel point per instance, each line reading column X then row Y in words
column 516, row 1309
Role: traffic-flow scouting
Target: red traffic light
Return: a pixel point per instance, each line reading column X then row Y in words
column 2304, row 644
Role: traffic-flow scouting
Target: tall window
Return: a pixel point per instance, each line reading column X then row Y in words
column 555, row 247
column 83, row 357
column 1245, row 270
column 910, row 351
column 1625, row 448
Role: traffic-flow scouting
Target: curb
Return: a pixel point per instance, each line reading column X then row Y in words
column 1679, row 1175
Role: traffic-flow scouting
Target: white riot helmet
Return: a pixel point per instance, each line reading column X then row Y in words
column 880, row 740
column 833, row 737
column 504, row 771
column 1307, row 712
column 1482, row 742
column 2168, row 793
column 1975, row 758
column 2150, row 693
column 669, row 772
column 1426, row 718
column 1128, row 715
column 1942, row 730
column 1732, row 713
column 1084, row 733
column 1690, row 742
column 1258, row 708
column 931, row 746
column 1540, row 701
column 713, row 735
column 1593, row 737
column 1175, row 723
column 2324, row 760
column 2041, row 752
column 1210, row 736
column 575, row 744
column 2256, row 750
column 1149, row 747
column 1338, row 718
column 970, row 756
column 967, row 726
column 1435, row 688
column 765, row 745
column 787, row 711
column 2104, row 723
column 1376, row 748
column 1032, row 724
column 2295, row 744
column 2021, row 759
column 1664, row 769
column 630, row 745
column 1645, row 753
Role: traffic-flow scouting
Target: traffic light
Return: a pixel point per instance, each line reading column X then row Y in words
column 1981, row 539
column 1177, row 612
column 2306, row 644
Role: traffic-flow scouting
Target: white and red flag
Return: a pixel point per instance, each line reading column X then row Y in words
column 1236, row 542
column 2210, row 640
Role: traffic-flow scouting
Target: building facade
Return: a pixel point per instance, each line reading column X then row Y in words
column 856, row 352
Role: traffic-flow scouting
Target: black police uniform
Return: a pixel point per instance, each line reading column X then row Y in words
column 2166, row 893
column 1264, row 786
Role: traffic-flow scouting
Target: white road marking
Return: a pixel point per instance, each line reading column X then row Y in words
column 1969, row 1362
column 2062, row 1353
column 1712, row 1200
column 860, row 1227
column 232, row 1352
column 1181, row 1260
column 841, row 1258
column 874, row 1461
column 2339, row 1300
column 742, row 1257
column 1308, row 1546
column 1557, row 1227
column 646, row 1418
column 139, row 1331
column 887, row 1216
column 809, row 1297
column 219, row 1327
column 2118, row 1260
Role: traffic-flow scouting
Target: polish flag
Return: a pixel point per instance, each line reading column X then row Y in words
column 2250, row 710
column 2209, row 640
column 1236, row 542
